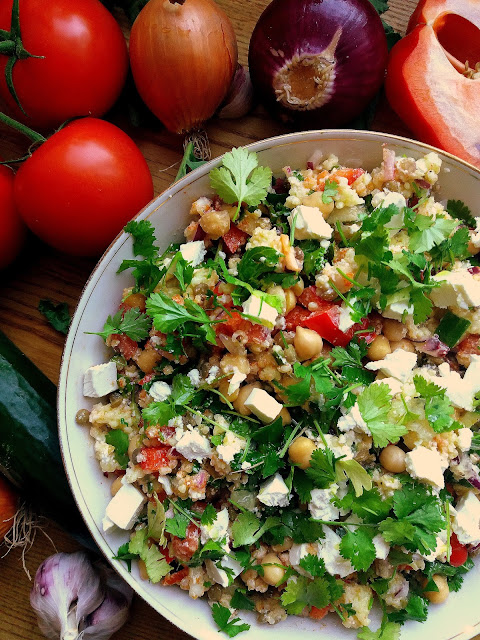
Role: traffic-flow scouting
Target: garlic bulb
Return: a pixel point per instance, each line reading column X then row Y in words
column 75, row 601
column 239, row 99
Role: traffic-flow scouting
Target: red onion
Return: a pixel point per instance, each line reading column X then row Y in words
column 388, row 164
column 318, row 62
column 434, row 347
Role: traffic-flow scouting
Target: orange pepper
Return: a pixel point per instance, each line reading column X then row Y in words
column 426, row 84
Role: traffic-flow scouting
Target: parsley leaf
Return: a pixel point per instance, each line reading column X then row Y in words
column 313, row 564
column 357, row 546
column 458, row 209
column 146, row 272
column 322, row 468
column 374, row 404
column 256, row 262
column 169, row 315
column 353, row 471
column 241, row 601
column 330, row 190
column 314, row 257
column 222, row 615
column 369, row 506
column 57, row 315
column 133, row 323
column 429, row 232
column 301, row 592
column 155, row 563
column 240, row 179
column 209, row 515
column 119, row 440
column 143, row 235
column 416, row 609
column 247, row 528
column 183, row 271
column 387, row 631
column 439, row 411
column 177, row 525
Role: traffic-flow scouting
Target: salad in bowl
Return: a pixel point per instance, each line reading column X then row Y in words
column 288, row 412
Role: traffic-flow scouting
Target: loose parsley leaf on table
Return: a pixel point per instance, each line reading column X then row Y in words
column 57, row 314
column 222, row 615
column 240, row 179
column 133, row 323
column 374, row 404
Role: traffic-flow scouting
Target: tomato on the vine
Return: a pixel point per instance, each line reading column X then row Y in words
column 12, row 232
column 82, row 185
column 83, row 61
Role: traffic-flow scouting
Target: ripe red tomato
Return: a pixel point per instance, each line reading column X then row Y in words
column 458, row 552
column 13, row 229
column 82, row 185
column 84, row 62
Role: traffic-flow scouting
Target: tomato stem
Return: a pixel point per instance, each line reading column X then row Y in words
column 22, row 128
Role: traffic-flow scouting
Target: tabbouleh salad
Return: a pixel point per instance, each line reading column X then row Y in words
column 289, row 414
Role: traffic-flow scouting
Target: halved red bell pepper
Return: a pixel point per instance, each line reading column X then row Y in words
column 425, row 84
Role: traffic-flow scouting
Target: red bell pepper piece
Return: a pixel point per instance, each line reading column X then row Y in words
column 126, row 346
column 175, row 578
column 425, row 82
column 458, row 552
column 234, row 239
column 295, row 318
column 155, row 458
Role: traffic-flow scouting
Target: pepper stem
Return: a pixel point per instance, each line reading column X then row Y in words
column 22, row 128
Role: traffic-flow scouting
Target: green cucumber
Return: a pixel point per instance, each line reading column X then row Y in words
column 452, row 329
column 29, row 449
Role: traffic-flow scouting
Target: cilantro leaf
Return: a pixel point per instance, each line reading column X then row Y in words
column 369, row 506
column 124, row 554
column 143, row 235
column 429, row 232
column 458, row 209
column 222, row 615
column 133, row 323
column 357, row 546
column 241, row 601
column 387, row 631
column 156, row 565
column 439, row 411
column 119, row 440
column 57, row 314
column 314, row 257
column 169, row 315
column 247, row 528
column 330, row 190
column 240, row 179
column 374, row 404
column 183, row 271
column 209, row 515
column 322, row 468
column 416, row 609
column 146, row 272
column 303, row 485
column 313, row 564
column 177, row 525
column 301, row 592
column 256, row 262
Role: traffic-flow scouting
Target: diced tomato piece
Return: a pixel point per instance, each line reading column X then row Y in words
column 229, row 324
column 166, row 432
column 318, row 614
column 184, row 549
column 350, row 174
column 126, row 346
column 175, row 578
column 165, row 553
column 469, row 344
column 256, row 333
column 295, row 318
column 234, row 239
column 458, row 552
column 146, row 379
column 155, row 458
column 325, row 324
column 310, row 296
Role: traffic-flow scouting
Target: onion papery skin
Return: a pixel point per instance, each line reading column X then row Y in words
column 8, row 506
column 344, row 38
column 183, row 57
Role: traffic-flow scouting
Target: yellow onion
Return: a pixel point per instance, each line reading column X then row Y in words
column 183, row 55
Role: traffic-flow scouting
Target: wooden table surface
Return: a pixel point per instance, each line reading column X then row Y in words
column 45, row 273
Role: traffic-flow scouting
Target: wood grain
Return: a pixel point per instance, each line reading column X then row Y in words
column 45, row 273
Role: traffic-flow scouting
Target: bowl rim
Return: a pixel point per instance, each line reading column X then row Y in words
column 160, row 199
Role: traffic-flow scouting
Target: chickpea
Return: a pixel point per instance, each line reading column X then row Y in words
column 243, row 394
column 307, row 343
column 392, row 459
column 394, row 330
column 223, row 388
column 290, row 300
column 231, row 361
column 142, row 569
column 272, row 574
column 300, row 451
column 286, row 417
column 406, row 345
column 215, row 223
column 299, row 287
column 116, row 486
column 82, row 417
column 437, row 597
column 379, row 348
column 284, row 546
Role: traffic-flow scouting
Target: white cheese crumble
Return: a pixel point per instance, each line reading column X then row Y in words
column 217, row 530
column 398, row 364
column 193, row 252
column 259, row 309
column 427, row 465
column 193, row 446
column 100, row 380
column 466, row 521
column 231, row 445
column 274, row 492
column 309, row 223
column 160, row 391
column 457, row 289
column 263, row 405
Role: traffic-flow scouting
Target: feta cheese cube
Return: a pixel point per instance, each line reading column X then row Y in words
column 466, row 521
column 107, row 525
column 218, row 575
column 259, row 309
column 235, row 381
column 263, row 405
column 353, row 420
column 382, row 548
column 320, row 505
column 427, row 465
column 457, row 289
column 166, row 484
column 299, row 551
column 193, row 446
column 194, row 377
column 100, row 380
column 274, row 492
column 460, row 391
column 193, row 252
column 309, row 223
column 345, row 321
column 398, row 364
column 397, row 310
column 125, row 506
column 464, row 439
column 160, row 391
column 330, row 553
column 231, row 445
column 217, row 530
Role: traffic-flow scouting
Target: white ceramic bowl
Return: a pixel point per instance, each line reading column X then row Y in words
column 459, row 618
